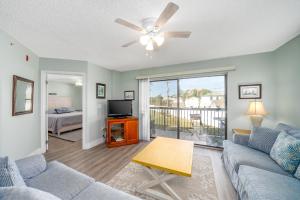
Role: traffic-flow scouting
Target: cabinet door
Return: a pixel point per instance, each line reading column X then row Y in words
column 132, row 131
column 116, row 133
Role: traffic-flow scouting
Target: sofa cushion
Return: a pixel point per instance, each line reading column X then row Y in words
column 32, row 166
column 286, row 152
column 9, row 173
column 258, row 184
column 60, row 180
column 262, row 139
column 297, row 173
column 28, row 193
column 98, row 191
column 242, row 155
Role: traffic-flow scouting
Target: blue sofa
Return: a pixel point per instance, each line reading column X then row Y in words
column 61, row 181
column 254, row 174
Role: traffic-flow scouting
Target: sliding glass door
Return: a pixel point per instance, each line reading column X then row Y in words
column 190, row 109
column 163, row 108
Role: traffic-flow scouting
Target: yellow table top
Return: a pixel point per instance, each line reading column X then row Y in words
column 171, row 155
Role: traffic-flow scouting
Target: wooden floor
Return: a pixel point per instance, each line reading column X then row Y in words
column 103, row 163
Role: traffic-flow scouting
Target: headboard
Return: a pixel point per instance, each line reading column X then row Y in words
column 58, row 101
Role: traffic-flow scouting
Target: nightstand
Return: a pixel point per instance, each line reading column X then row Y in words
column 241, row 131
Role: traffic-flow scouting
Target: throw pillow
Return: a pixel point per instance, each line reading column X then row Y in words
column 9, row 173
column 286, row 152
column 295, row 133
column 284, row 127
column 291, row 130
column 297, row 173
column 28, row 193
column 263, row 139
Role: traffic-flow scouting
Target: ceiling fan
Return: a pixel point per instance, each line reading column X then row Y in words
column 152, row 36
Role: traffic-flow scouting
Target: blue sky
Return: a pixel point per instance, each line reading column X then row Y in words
column 214, row 83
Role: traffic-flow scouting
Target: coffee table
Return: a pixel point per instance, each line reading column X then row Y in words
column 173, row 157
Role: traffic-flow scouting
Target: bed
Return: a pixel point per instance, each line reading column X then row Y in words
column 59, row 123
column 62, row 122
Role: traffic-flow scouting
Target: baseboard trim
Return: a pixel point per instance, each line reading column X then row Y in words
column 35, row 152
column 93, row 143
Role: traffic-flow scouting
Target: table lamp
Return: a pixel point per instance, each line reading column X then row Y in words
column 256, row 111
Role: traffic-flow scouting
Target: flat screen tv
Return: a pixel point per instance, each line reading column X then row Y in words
column 119, row 108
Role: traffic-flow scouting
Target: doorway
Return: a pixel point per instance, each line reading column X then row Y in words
column 190, row 109
column 63, row 110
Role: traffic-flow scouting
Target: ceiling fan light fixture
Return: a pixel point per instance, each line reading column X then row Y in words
column 144, row 39
column 149, row 46
column 151, row 28
column 159, row 39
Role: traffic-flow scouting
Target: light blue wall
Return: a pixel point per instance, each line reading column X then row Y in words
column 288, row 82
column 96, row 108
column 19, row 135
column 278, row 71
column 257, row 68
column 53, row 64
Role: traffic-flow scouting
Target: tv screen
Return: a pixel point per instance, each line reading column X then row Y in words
column 119, row 108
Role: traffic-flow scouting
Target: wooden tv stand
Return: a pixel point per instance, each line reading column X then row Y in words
column 121, row 131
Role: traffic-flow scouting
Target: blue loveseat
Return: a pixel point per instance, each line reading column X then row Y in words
column 59, row 180
column 255, row 175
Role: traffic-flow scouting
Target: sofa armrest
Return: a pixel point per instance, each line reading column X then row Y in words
column 32, row 166
column 241, row 139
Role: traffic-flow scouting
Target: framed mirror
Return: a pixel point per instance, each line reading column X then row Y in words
column 22, row 101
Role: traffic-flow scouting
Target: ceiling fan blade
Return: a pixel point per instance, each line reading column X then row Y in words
column 178, row 34
column 129, row 43
column 167, row 13
column 128, row 24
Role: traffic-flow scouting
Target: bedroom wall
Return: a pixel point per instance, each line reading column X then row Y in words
column 288, row 82
column 67, row 90
column 19, row 135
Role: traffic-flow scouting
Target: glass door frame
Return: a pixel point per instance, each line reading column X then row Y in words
column 178, row 103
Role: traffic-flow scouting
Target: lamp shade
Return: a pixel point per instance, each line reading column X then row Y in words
column 256, row 108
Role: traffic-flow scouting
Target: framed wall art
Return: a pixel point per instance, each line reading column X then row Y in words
column 100, row 90
column 129, row 95
column 250, row 91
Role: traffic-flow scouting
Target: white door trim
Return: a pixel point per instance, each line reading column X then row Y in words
column 44, row 121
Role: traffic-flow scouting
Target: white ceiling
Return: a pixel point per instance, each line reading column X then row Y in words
column 85, row 29
column 62, row 78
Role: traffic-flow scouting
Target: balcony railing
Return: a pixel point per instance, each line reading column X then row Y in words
column 210, row 121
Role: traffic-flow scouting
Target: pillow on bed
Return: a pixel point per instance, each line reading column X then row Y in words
column 71, row 109
column 61, row 110
column 51, row 111
column 64, row 110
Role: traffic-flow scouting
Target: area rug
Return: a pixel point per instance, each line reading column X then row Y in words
column 201, row 186
column 72, row 136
